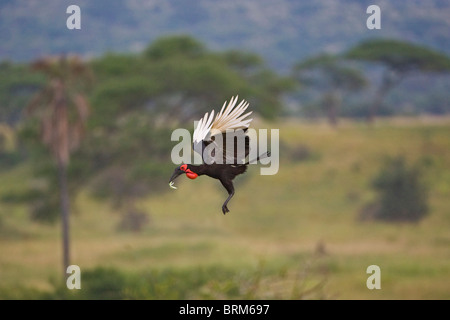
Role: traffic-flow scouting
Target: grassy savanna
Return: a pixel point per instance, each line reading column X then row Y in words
column 292, row 235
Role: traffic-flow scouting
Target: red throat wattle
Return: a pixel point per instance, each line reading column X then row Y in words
column 189, row 173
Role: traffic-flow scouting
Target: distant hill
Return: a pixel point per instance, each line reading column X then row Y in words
column 282, row 31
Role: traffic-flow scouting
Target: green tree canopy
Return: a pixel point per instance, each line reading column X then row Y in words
column 17, row 84
column 400, row 59
column 400, row 56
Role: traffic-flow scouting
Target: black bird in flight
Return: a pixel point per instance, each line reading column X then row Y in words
column 219, row 161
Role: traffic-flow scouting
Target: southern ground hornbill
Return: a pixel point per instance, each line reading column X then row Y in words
column 210, row 141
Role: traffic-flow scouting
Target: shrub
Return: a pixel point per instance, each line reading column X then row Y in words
column 402, row 195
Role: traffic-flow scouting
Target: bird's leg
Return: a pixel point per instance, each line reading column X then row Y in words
column 224, row 206
column 228, row 184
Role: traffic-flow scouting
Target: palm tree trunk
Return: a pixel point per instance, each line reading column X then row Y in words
column 64, row 195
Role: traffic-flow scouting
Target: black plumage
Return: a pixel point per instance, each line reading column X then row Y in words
column 222, row 161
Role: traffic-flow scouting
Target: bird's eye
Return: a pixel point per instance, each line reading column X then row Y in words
column 183, row 167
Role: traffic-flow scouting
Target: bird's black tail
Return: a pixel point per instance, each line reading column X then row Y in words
column 261, row 156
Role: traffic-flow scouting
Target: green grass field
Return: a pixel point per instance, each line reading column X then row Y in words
column 293, row 235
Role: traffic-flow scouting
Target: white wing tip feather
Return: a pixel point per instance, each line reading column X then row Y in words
column 229, row 117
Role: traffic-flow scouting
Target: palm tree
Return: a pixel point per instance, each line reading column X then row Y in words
column 62, row 110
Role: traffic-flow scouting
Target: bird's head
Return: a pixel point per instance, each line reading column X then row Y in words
column 184, row 168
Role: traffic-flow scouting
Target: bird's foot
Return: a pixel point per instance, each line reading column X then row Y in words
column 225, row 209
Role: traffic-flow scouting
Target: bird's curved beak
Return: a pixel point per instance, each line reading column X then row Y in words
column 175, row 174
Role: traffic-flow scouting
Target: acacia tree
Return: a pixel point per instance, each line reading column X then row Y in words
column 400, row 59
column 61, row 109
column 331, row 76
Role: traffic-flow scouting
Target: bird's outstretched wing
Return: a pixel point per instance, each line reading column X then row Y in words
column 224, row 140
